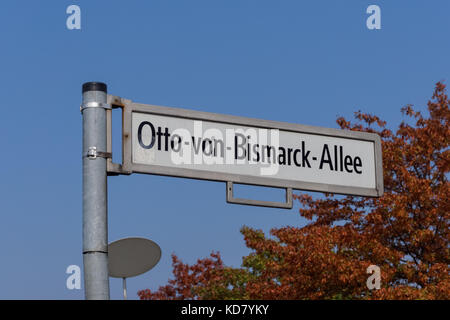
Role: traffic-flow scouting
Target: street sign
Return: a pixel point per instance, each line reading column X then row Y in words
column 201, row 145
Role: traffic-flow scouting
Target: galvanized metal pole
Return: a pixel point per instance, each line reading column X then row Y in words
column 95, row 222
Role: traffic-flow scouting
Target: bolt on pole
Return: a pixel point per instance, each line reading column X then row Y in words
column 95, row 204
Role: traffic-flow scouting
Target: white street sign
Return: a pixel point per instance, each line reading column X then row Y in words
column 200, row 145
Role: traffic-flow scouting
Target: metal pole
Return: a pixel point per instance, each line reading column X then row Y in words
column 124, row 282
column 95, row 224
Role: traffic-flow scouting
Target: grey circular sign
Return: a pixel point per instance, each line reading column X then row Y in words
column 131, row 257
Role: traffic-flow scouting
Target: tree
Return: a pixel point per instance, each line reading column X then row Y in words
column 405, row 232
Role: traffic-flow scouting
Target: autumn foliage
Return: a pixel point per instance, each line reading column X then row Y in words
column 405, row 232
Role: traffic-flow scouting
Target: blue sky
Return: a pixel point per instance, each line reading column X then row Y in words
column 305, row 62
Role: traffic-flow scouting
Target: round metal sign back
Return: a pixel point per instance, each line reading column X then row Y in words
column 131, row 257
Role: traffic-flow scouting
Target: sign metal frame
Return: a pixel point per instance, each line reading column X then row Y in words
column 127, row 167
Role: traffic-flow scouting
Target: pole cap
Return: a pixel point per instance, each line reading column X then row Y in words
column 94, row 86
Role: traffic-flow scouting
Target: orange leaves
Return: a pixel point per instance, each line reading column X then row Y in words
column 411, row 222
column 369, row 119
column 406, row 232
column 187, row 278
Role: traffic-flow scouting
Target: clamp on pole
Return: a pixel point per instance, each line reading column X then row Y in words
column 93, row 154
column 94, row 104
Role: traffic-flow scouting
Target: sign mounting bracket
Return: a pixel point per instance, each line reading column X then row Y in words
column 251, row 202
column 115, row 169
